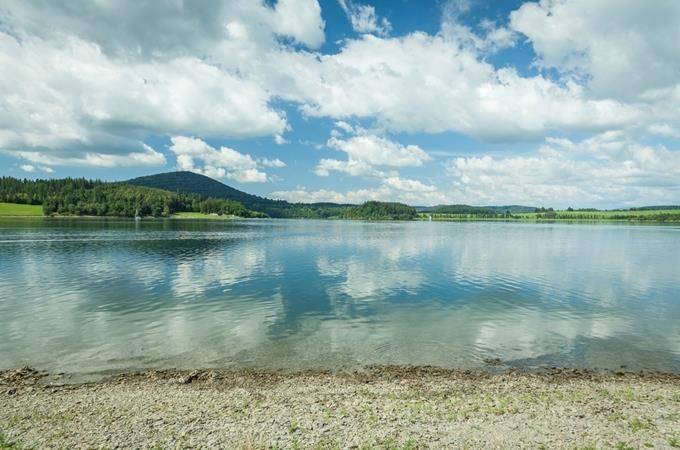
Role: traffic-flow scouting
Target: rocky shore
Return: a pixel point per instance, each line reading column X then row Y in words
column 382, row 407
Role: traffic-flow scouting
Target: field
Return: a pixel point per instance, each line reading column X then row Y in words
column 657, row 215
column 644, row 215
column 14, row 209
column 197, row 215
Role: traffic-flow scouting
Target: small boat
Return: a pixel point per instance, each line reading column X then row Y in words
column 137, row 216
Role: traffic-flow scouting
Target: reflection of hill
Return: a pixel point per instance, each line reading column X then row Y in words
column 310, row 293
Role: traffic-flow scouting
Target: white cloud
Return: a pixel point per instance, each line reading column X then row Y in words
column 91, row 86
column 300, row 19
column 606, row 170
column 665, row 130
column 406, row 185
column 432, row 84
column 73, row 98
column 148, row 157
column 355, row 168
column 393, row 188
column 196, row 155
column 625, row 50
column 279, row 139
column 367, row 153
column 379, row 151
column 31, row 168
column 122, row 27
column 364, row 19
column 276, row 162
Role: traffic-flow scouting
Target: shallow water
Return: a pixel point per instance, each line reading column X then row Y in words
column 97, row 295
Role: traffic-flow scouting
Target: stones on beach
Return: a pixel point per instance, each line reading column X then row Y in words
column 190, row 378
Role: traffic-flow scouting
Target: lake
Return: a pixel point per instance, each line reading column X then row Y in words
column 95, row 295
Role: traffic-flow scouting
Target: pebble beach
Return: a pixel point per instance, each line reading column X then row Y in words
column 380, row 407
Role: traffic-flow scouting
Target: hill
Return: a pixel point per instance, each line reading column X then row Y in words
column 81, row 197
column 194, row 183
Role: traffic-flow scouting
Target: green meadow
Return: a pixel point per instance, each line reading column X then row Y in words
column 651, row 215
column 15, row 209
column 198, row 215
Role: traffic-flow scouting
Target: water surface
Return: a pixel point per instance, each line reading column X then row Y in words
column 88, row 295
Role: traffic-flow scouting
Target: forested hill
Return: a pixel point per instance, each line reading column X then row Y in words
column 194, row 183
column 81, row 197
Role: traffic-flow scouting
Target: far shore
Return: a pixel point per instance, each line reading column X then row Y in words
column 199, row 216
column 379, row 407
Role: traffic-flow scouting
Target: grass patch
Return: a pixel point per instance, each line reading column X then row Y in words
column 198, row 215
column 674, row 442
column 5, row 444
column 15, row 209
column 638, row 425
column 623, row 446
column 293, row 427
column 392, row 444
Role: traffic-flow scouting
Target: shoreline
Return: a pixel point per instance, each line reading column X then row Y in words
column 378, row 407
column 459, row 220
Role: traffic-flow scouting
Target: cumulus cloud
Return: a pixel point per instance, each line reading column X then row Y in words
column 147, row 157
column 29, row 168
column 276, row 162
column 607, row 169
column 379, row 151
column 196, row 155
column 392, row 188
column 364, row 19
column 365, row 152
column 394, row 81
column 123, row 28
column 91, row 86
column 355, row 168
column 623, row 50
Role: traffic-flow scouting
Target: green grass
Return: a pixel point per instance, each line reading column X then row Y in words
column 637, row 425
column 5, row 444
column 656, row 215
column 197, row 215
column 15, row 209
column 610, row 215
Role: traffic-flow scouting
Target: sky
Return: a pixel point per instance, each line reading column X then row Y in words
column 553, row 103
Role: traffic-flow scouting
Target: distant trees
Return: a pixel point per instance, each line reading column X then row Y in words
column 81, row 197
column 381, row 211
column 463, row 209
column 543, row 210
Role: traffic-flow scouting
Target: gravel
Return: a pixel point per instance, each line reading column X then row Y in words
column 380, row 407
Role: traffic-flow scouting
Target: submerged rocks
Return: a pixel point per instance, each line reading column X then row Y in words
column 24, row 375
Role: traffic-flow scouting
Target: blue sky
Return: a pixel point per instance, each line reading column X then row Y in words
column 557, row 102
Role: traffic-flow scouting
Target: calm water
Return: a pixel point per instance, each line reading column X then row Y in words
column 95, row 295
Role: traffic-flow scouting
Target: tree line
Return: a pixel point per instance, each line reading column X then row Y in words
column 82, row 197
column 373, row 210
